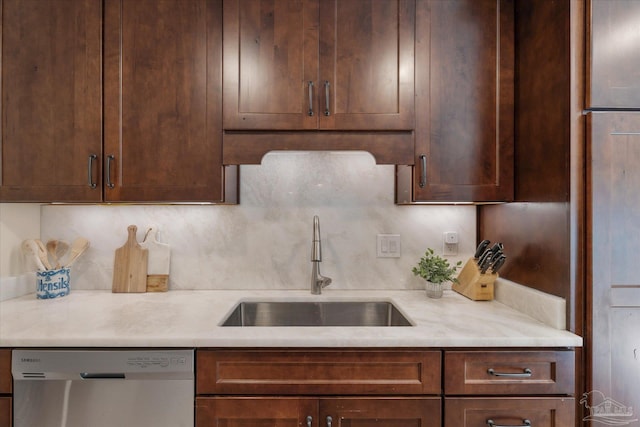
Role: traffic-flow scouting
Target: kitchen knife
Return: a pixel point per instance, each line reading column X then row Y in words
column 495, row 255
column 498, row 263
column 486, row 263
column 486, row 256
column 481, row 248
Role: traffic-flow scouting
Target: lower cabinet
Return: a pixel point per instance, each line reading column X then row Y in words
column 385, row 388
column 5, row 388
column 509, row 411
column 311, row 411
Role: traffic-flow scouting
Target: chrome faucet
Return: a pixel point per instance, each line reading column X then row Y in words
column 318, row 281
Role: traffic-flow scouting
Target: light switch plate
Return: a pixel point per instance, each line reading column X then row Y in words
column 388, row 246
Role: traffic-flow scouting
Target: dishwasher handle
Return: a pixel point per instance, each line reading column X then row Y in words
column 102, row 376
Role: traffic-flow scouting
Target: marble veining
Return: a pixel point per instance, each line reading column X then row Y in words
column 191, row 319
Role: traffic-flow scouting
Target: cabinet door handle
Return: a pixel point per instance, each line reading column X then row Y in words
column 525, row 423
column 309, row 420
column 310, row 98
column 327, row 110
column 329, row 421
column 110, row 159
column 92, row 157
column 423, row 170
column 526, row 373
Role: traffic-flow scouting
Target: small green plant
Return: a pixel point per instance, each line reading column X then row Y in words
column 436, row 269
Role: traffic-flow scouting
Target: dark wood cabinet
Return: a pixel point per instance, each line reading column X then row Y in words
column 309, row 64
column 149, row 73
column 5, row 388
column 464, row 103
column 318, row 388
column 614, row 59
column 163, row 104
column 340, row 412
column 613, row 203
column 318, row 75
column 510, row 411
column 51, row 100
column 509, row 387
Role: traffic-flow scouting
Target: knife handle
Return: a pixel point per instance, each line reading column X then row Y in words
column 423, row 170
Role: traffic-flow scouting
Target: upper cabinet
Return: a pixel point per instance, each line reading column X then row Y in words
column 51, row 101
column 163, row 103
column 340, row 71
column 464, row 103
column 140, row 121
column 614, row 57
column 319, row 64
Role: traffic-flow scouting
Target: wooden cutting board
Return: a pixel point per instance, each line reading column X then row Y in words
column 130, row 265
column 159, row 261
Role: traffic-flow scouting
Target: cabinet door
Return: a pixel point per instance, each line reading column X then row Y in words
column 256, row 412
column 509, row 411
column 5, row 412
column 614, row 58
column 381, row 412
column 163, row 103
column 51, row 101
column 464, row 101
column 614, row 206
column 366, row 64
column 270, row 64
column 5, row 372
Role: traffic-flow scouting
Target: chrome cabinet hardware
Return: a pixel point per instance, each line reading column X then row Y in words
column 525, row 423
column 423, row 170
column 310, row 98
column 526, row 373
column 92, row 157
column 329, row 421
column 309, row 420
column 327, row 109
column 110, row 159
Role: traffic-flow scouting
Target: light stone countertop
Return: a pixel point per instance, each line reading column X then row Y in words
column 191, row 319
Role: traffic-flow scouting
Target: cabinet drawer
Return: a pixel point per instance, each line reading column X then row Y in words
column 509, row 372
column 511, row 411
column 5, row 371
column 318, row 372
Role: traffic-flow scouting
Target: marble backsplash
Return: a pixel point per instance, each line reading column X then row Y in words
column 265, row 241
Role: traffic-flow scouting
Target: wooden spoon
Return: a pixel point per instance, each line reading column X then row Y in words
column 30, row 249
column 42, row 253
column 78, row 247
column 57, row 249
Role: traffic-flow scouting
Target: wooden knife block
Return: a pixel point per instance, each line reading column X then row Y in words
column 473, row 284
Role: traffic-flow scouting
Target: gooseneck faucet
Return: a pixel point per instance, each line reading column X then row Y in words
column 318, row 281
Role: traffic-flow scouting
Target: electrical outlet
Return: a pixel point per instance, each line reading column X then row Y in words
column 450, row 243
column 388, row 246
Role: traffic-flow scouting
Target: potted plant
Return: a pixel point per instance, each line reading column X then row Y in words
column 436, row 271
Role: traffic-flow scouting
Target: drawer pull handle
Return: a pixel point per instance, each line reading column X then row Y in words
column 327, row 104
column 525, row 423
column 526, row 373
column 110, row 160
column 92, row 184
column 423, row 170
column 329, row 421
column 309, row 420
column 310, row 98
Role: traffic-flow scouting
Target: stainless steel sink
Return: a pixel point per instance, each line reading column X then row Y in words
column 316, row 313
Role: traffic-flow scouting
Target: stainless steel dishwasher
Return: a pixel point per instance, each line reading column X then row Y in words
column 100, row 388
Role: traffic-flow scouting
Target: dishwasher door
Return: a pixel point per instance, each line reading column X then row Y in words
column 103, row 388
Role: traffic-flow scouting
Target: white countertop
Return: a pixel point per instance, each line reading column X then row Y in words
column 191, row 319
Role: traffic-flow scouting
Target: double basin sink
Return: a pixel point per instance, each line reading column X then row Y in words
column 316, row 313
